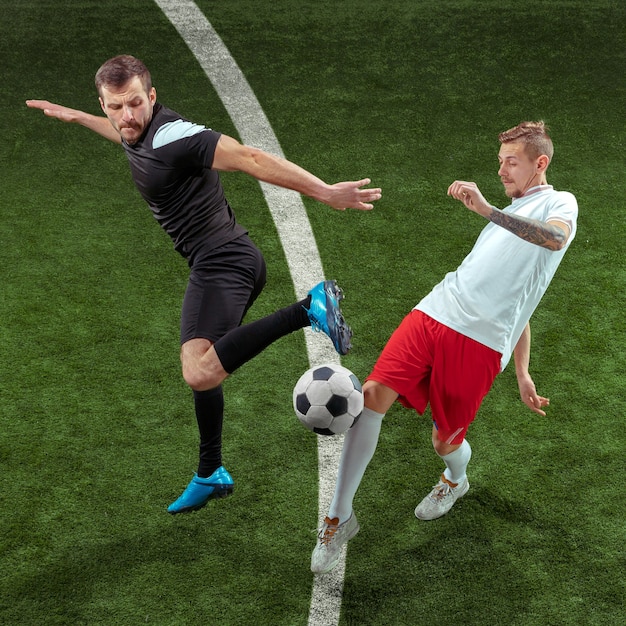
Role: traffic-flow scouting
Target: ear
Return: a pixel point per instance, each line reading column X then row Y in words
column 152, row 95
column 542, row 163
column 102, row 105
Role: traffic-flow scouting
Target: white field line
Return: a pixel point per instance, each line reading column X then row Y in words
column 297, row 239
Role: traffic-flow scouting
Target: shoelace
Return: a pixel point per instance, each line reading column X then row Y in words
column 326, row 534
column 441, row 492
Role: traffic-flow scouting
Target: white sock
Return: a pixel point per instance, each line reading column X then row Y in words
column 456, row 463
column 359, row 445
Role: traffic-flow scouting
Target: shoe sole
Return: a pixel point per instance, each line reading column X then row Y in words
column 220, row 491
column 337, row 291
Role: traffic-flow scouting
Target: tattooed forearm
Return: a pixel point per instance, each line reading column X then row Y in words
column 540, row 233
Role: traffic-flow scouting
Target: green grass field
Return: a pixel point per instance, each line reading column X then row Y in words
column 97, row 434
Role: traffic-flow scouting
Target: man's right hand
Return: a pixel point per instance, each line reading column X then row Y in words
column 65, row 114
column 96, row 123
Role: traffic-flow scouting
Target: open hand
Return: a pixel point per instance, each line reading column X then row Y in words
column 349, row 195
column 65, row 114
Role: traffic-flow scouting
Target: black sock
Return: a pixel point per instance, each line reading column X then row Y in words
column 210, row 416
column 241, row 344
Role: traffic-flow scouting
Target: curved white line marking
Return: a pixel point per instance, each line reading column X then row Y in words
column 296, row 235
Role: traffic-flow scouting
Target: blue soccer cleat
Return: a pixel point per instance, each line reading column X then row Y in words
column 200, row 490
column 325, row 315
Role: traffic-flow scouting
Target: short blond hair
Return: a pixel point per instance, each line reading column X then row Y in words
column 534, row 136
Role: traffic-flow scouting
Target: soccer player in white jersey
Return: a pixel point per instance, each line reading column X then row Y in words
column 449, row 349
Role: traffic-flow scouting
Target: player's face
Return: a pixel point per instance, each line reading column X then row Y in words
column 518, row 172
column 129, row 108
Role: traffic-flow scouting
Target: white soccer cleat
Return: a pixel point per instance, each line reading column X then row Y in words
column 440, row 500
column 331, row 538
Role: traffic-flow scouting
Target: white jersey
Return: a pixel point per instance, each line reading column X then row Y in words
column 493, row 293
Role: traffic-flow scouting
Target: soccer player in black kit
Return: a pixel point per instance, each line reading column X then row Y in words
column 175, row 165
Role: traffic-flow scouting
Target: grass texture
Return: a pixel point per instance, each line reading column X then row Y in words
column 97, row 434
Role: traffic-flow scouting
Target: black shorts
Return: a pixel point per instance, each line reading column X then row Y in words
column 222, row 286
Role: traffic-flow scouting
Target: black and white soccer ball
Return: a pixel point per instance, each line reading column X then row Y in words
column 328, row 399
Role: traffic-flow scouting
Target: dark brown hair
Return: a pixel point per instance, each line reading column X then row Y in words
column 116, row 72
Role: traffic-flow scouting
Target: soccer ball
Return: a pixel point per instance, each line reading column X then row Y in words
column 328, row 399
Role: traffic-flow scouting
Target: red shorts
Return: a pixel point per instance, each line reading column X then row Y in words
column 427, row 362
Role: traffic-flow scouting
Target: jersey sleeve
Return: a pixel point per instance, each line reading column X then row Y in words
column 183, row 143
column 564, row 208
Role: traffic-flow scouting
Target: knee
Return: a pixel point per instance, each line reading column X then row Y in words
column 378, row 397
column 201, row 368
column 441, row 447
column 200, row 379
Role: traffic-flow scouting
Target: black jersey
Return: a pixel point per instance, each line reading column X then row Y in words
column 171, row 167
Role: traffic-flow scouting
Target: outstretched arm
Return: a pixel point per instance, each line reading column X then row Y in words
column 552, row 234
column 96, row 123
column 527, row 390
column 232, row 156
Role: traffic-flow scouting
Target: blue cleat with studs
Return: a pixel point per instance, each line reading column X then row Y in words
column 325, row 315
column 200, row 490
